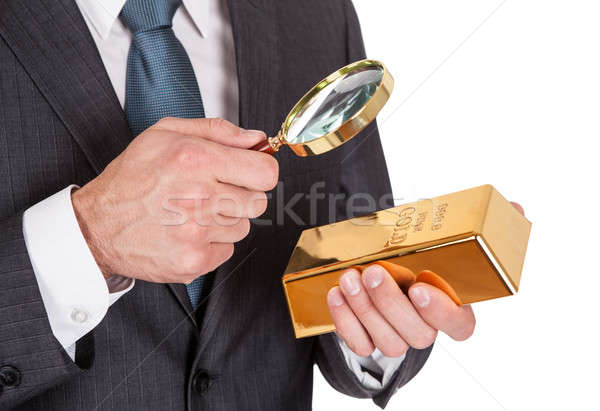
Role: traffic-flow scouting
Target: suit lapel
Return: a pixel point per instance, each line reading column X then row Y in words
column 255, row 36
column 52, row 42
column 180, row 293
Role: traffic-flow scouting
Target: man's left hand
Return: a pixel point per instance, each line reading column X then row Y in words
column 371, row 311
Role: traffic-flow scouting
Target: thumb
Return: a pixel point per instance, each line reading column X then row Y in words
column 440, row 312
column 217, row 130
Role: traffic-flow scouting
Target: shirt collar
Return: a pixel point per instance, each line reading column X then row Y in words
column 103, row 13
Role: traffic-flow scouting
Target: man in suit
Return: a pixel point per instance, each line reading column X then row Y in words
column 111, row 136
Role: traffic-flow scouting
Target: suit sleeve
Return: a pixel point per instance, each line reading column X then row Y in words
column 31, row 359
column 366, row 173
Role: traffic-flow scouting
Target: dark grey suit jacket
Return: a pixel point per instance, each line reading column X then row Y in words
column 61, row 123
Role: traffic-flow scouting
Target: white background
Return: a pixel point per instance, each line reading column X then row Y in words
column 506, row 93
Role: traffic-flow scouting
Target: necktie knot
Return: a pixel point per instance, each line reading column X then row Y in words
column 144, row 15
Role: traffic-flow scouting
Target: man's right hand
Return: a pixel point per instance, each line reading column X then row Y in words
column 170, row 207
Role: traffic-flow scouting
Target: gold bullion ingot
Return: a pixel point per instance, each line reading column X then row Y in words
column 474, row 239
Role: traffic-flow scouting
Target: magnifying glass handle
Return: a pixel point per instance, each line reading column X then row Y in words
column 270, row 145
column 264, row 147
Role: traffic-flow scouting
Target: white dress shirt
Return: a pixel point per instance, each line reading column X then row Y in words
column 75, row 294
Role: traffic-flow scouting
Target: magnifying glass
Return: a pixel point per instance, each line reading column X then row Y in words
column 334, row 110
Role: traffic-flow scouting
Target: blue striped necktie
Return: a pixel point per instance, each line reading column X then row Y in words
column 160, row 77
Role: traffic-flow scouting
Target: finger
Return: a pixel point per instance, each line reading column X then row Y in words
column 441, row 313
column 396, row 308
column 518, row 207
column 245, row 168
column 401, row 275
column 347, row 325
column 203, row 201
column 384, row 336
column 228, row 230
column 217, row 130
column 233, row 201
column 240, row 167
column 201, row 258
column 218, row 253
column 213, row 228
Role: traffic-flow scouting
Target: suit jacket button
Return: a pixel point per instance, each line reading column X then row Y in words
column 9, row 376
column 201, row 381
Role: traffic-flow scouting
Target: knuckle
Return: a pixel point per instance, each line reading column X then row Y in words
column 210, row 195
column 229, row 252
column 244, row 228
column 216, row 123
column 386, row 296
column 165, row 122
column 391, row 345
column 193, row 263
column 424, row 339
column 190, row 231
column 229, row 203
column 149, row 141
column 363, row 349
column 200, row 234
column 205, row 211
column 362, row 309
column 258, row 205
column 226, row 253
column 394, row 350
column 190, row 155
column 270, row 172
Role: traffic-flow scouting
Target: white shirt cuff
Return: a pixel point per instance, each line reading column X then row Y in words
column 377, row 363
column 74, row 291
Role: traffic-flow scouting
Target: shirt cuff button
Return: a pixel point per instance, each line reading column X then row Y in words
column 79, row 316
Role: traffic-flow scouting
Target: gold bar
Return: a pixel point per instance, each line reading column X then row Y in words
column 474, row 239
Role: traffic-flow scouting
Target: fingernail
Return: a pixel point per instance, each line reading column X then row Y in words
column 335, row 297
column 253, row 133
column 420, row 296
column 373, row 276
column 350, row 282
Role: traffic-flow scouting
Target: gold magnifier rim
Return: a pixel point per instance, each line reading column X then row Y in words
column 353, row 125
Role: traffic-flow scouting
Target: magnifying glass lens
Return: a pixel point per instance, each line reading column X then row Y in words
column 334, row 104
column 334, row 110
